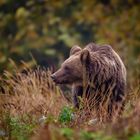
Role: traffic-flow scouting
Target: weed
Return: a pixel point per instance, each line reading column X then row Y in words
column 66, row 115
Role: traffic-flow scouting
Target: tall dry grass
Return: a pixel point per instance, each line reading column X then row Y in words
column 32, row 93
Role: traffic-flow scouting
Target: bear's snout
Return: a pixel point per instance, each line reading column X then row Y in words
column 53, row 76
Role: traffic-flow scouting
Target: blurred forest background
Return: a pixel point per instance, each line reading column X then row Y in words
column 46, row 30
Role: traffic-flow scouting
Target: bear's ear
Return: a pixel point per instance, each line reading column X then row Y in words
column 75, row 49
column 85, row 57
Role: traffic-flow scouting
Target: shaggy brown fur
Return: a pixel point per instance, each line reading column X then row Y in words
column 97, row 73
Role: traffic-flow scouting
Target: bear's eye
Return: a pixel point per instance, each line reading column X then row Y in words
column 67, row 68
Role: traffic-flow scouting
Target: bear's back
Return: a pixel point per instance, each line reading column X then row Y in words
column 109, row 63
column 101, row 49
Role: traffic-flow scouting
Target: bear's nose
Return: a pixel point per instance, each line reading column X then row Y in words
column 53, row 77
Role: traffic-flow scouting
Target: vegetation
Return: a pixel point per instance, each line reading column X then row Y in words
column 35, row 35
column 32, row 107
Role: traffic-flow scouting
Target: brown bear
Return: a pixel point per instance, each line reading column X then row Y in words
column 96, row 71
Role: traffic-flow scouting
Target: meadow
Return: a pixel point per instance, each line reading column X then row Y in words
column 33, row 107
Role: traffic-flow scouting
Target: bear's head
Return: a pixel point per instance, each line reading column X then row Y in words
column 71, row 71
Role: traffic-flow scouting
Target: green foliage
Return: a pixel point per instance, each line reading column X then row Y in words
column 135, row 137
column 50, row 119
column 20, row 130
column 68, row 133
column 17, row 128
column 95, row 136
column 87, row 136
column 66, row 115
